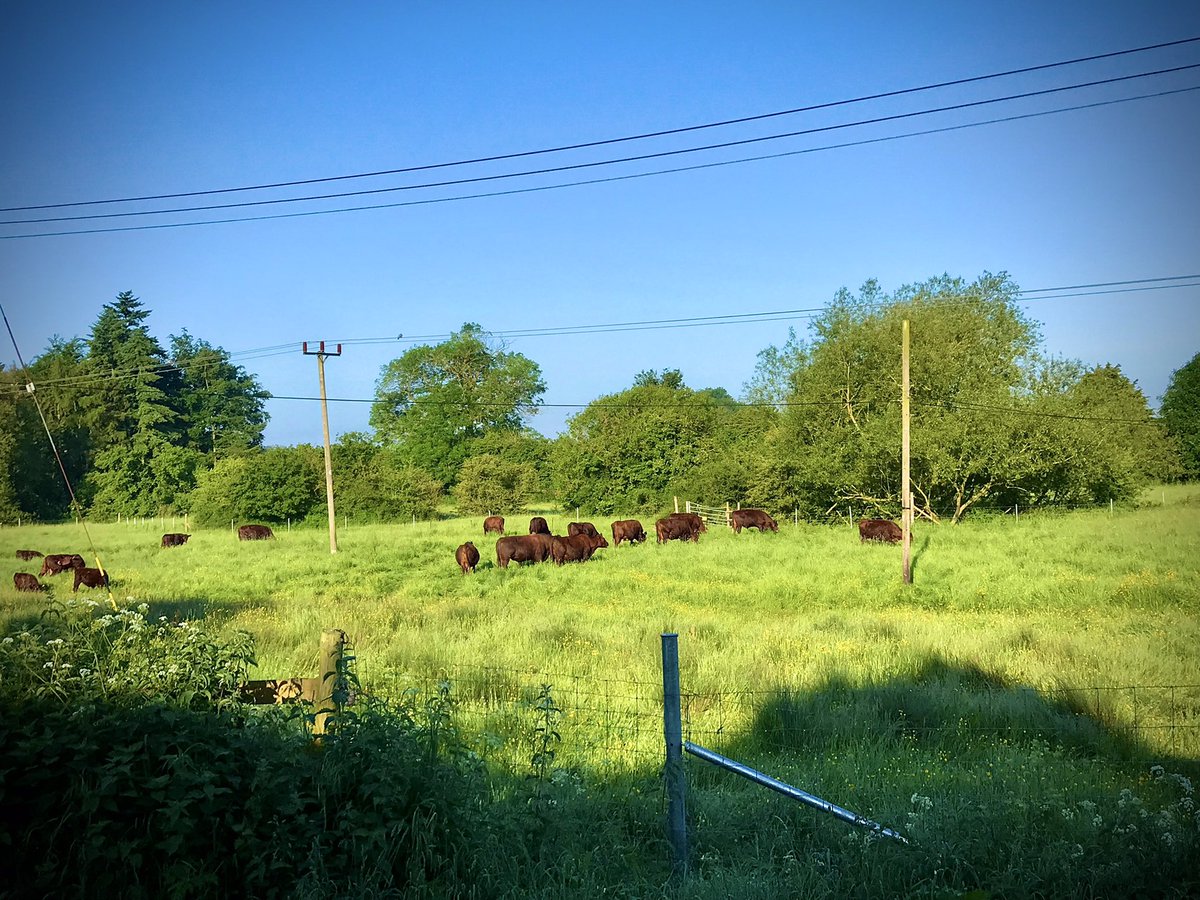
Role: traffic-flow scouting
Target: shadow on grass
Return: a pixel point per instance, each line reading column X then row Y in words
column 964, row 711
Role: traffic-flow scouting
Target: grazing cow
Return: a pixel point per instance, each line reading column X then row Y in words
column 467, row 557
column 587, row 528
column 523, row 548
column 879, row 530
column 751, row 518
column 697, row 522
column 90, row 578
column 537, row 525
column 575, row 547
column 23, row 581
column 255, row 533
column 28, row 554
column 628, row 530
column 493, row 525
column 175, row 540
column 674, row 529
column 60, row 562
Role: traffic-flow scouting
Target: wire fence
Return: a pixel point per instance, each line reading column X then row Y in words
column 612, row 726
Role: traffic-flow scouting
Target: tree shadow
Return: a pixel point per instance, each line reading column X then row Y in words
column 956, row 709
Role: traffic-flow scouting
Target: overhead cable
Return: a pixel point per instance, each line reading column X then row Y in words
column 609, row 141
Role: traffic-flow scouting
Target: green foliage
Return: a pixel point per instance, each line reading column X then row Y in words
column 492, row 484
column 992, row 423
column 34, row 475
column 78, row 653
column 1181, row 414
column 435, row 400
column 631, row 451
column 220, row 405
column 271, row 485
column 132, row 424
column 372, row 485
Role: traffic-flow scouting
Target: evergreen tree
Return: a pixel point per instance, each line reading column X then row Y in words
column 133, row 417
column 221, row 406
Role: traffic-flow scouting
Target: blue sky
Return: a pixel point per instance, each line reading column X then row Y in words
column 119, row 100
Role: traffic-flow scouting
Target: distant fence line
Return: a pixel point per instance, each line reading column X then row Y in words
column 842, row 511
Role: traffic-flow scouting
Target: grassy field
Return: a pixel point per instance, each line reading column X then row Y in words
column 1004, row 710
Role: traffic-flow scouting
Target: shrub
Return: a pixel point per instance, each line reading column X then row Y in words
column 268, row 486
column 488, row 483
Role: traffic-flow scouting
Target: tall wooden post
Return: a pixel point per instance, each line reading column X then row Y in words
column 905, row 492
column 320, row 355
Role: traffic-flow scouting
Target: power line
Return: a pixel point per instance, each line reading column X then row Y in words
column 1165, row 282
column 618, row 140
column 552, row 170
column 607, row 180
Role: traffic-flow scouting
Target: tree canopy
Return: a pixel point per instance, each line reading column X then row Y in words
column 132, row 423
column 992, row 422
column 1181, row 414
column 433, row 401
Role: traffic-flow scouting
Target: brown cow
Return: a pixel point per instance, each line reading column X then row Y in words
column 676, row 529
column 523, row 548
column 255, row 533
column 28, row 554
column 90, row 578
column 537, row 525
column 697, row 522
column 879, row 530
column 575, row 547
column 627, row 530
column 467, row 557
column 493, row 525
column 751, row 518
column 23, row 581
column 175, row 540
column 60, row 562
column 587, row 528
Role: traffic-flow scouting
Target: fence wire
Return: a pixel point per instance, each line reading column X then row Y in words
column 614, row 726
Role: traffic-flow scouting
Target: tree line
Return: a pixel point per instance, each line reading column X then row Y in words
column 996, row 423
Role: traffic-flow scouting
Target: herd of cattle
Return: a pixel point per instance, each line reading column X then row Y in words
column 582, row 539
column 56, row 563
column 578, row 545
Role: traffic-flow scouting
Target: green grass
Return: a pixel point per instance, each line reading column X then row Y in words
column 801, row 652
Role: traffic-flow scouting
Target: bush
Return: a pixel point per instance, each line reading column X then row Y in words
column 375, row 487
column 267, row 486
column 488, row 484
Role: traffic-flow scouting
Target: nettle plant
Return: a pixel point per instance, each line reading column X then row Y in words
column 75, row 654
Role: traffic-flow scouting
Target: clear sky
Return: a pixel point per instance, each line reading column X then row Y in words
column 131, row 99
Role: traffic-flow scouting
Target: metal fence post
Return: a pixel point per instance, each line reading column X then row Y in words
column 673, row 773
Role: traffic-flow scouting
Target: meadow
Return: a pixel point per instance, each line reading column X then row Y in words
column 1027, row 711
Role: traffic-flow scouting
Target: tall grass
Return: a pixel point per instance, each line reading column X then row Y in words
column 995, row 709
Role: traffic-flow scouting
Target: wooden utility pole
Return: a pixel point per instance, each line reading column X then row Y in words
column 320, row 355
column 905, row 492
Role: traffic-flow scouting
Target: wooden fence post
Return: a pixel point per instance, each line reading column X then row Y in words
column 676, row 504
column 333, row 641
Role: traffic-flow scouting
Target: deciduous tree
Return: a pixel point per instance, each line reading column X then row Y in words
column 435, row 400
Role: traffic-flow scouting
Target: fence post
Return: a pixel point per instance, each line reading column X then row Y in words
column 673, row 773
column 333, row 641
column 676, row 504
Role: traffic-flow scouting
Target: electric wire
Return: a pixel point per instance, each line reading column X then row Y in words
column 31, row 390
column 606, row 180
column 796, row 314
column 624, row 139
column 662, row 154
